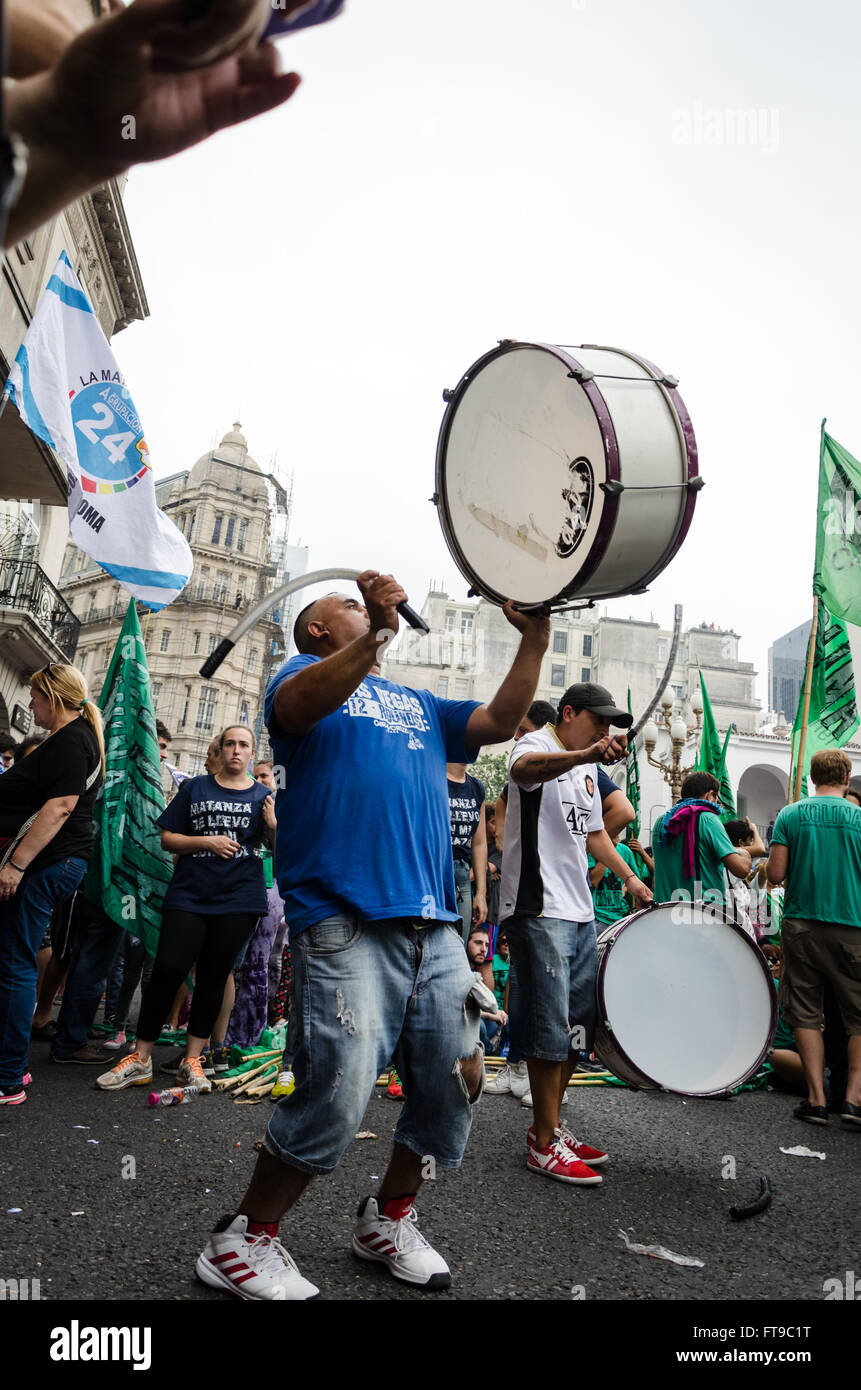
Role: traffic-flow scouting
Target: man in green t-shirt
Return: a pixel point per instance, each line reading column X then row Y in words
column 691, row 847
column 816, row 848
column 608, row 897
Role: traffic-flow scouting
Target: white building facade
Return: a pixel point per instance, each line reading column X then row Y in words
column 471, row 647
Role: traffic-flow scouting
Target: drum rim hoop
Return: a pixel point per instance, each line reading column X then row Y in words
column 625, row 1056
column 689, row 443
column 609, row 441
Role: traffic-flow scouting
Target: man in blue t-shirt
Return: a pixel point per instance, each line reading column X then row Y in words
column 363, row 855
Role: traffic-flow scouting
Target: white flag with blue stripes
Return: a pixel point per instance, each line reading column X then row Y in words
column 69, row 390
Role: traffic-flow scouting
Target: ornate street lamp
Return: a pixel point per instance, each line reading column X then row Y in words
column 679, row 732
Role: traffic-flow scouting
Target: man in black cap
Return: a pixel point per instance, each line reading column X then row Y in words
column 554, row 820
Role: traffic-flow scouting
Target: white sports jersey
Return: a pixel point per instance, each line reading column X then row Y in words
column 544, row 868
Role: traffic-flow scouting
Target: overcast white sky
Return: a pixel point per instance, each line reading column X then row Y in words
column 453, row 173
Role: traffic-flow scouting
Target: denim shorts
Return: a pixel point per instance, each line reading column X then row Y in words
column 556, row 963
column 364, row 994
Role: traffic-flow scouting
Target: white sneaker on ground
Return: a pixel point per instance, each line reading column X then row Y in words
column 526, row 1099
column 500, row 1084
column 395, row 1240
column 131, row 1071
column 191, row 1073
column 251, row 1266
column 512, row 1079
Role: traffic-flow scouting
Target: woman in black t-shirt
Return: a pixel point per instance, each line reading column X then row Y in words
column 215, row 825
column 54, row 789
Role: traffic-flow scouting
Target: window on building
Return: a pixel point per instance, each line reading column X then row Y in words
column 252, row 658
column 461, row 688
column 156, row 691
column 196, row 644
column 557, row 676
column 202, row 581
column 231, row 527
column 182, row 721
column 243, row 713
column 560, row 642
column 213, row 643
column 216, row 530
column 662, row 649
column 585, row 673
column 450, row 617
column 219, row 588
column 587, row 644
column 240, row 539
column 445, row 653
column 679, row 692
column 165, row 640
column 465, row 624
column 442, row 687
column 206, row 709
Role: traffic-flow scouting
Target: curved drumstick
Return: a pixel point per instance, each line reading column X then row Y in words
column 303, row 581
column 671, row 661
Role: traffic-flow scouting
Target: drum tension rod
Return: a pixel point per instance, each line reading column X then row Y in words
column 582, row 375
column 613, row 488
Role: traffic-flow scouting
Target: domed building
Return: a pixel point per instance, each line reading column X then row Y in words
column 235, row 517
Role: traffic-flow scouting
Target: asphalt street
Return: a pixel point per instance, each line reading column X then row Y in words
column 88, row 1232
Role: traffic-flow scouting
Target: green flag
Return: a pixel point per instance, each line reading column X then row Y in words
column 833, row 715
column 130, row 871
column 712, row 755
column 632, row 785
column 837, row 568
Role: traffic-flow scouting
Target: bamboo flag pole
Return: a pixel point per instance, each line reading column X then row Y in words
column 805, row 712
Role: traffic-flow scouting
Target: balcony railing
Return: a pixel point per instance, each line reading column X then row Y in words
column 26, row 588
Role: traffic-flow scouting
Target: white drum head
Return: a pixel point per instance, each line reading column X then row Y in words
column 564, row 473
column 687, row 999
column 524, row 460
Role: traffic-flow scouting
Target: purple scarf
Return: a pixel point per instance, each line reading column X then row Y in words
column 682, row 820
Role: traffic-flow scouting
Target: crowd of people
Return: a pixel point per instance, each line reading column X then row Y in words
column 311, row 895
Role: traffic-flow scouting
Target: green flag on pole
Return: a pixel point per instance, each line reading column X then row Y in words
column 712, row 755
column 833, row 715
column 130, row 872
column 837, row 568
column 632, row 785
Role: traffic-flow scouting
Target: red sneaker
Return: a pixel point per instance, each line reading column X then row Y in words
column 585, row 1152
column 557, row 1161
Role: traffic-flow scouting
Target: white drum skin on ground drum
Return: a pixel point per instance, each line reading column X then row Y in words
column 524, row 446
column 687, row 998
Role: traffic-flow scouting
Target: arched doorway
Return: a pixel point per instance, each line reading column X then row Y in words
column 762, row 792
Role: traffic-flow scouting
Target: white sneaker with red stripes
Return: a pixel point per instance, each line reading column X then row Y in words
column 251, row 1266
column 392, row 1237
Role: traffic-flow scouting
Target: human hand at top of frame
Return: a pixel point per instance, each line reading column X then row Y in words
column 109, row 103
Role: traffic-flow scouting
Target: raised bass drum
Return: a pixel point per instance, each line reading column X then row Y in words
column 564, row 473
column 685, row 1001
